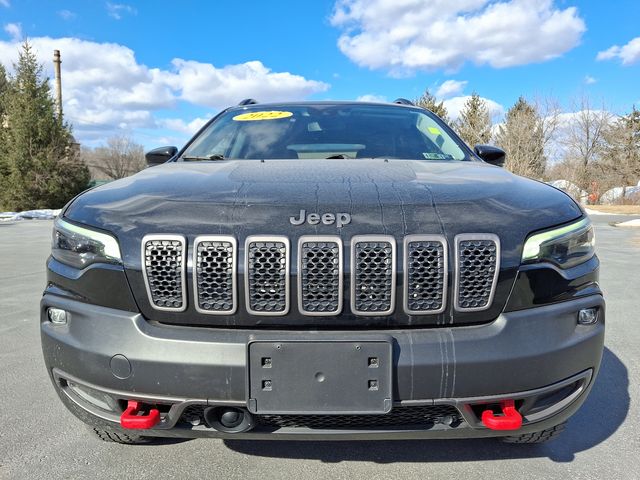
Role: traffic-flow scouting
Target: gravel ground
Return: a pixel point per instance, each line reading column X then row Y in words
column 39, row 439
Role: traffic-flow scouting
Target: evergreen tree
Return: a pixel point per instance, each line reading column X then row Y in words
column 474, row 123
column 522, row 138
column 42, row 164
column 428, row 100
column 4, row 87
column 620, row 162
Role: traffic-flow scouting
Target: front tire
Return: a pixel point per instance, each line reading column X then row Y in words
column 120, row 436
column 542, row 436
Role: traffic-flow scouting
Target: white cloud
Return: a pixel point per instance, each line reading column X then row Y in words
column 450, row 88
column 117, row 10
column 67, row 14
column 455, row 105
column 5, row 3
column 568, row 119
column 628, row 54
column 370, row 97
column 14, row 30
column 589, row 80
column 179, row 125
column 408, row 35
column 205, row 84
column 107, row 91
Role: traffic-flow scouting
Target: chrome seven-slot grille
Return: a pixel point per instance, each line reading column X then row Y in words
column 267, row 268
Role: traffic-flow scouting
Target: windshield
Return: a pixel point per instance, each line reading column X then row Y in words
column 326, row 131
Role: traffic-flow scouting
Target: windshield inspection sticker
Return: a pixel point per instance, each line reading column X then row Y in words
column 435, row 131
column 436, row 156
column 267, row 115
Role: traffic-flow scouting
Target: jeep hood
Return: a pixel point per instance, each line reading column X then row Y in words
column 397, row 197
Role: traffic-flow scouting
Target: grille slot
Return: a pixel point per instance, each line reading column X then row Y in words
column 164, row 258
column 425, row 274
column 373, row 274
column 214, row 274
column 477, row 267
column 320, row 275
column 267, row 275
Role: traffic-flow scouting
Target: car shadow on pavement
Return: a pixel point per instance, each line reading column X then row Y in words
column 603, row 412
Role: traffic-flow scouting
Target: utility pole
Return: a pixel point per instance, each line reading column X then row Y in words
column 58, row 78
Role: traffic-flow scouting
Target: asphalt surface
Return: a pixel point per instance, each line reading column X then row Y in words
column 40, row 439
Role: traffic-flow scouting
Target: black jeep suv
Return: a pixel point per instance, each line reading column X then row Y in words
column 323, row 270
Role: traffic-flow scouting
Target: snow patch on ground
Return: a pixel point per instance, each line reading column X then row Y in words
column 629, row 223
column 43, row 214
column 618, row 193
column 571, row 189
column 595, row 212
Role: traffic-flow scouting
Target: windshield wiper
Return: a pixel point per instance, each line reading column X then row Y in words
column 215, row 156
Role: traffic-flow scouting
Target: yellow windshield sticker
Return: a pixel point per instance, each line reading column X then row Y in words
column 266, row 115
column 435, row 131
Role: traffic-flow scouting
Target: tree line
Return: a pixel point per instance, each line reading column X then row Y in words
column 41, row 165
column 589, row 147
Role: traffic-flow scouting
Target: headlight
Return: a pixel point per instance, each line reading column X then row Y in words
column 565, row 246
column 79, row 246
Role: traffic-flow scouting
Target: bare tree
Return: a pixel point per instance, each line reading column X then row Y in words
column 584, row 140
column 548, row 109
column 119, row 158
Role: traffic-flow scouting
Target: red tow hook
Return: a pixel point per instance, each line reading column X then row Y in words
column 509, row 420
column 131, row 417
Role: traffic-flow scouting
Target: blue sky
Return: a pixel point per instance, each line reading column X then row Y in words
column 157, row 70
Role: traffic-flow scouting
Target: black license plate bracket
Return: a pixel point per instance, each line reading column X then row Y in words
column 332, row 377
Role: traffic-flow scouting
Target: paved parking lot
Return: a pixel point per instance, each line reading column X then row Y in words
column 39, row 439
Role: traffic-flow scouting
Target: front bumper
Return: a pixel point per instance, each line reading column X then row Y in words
column 526, row 355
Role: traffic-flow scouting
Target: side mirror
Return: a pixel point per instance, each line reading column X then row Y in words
column 160, row 155
column 490, row 154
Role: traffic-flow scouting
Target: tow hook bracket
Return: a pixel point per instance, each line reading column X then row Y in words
column 134, row 418
column 509, row 420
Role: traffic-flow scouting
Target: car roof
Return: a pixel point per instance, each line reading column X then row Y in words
column 322, row 103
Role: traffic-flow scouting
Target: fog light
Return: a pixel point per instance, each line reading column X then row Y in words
column 588, row 316
column 57, row 316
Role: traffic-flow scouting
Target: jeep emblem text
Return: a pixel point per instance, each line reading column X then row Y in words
column 340, row 219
